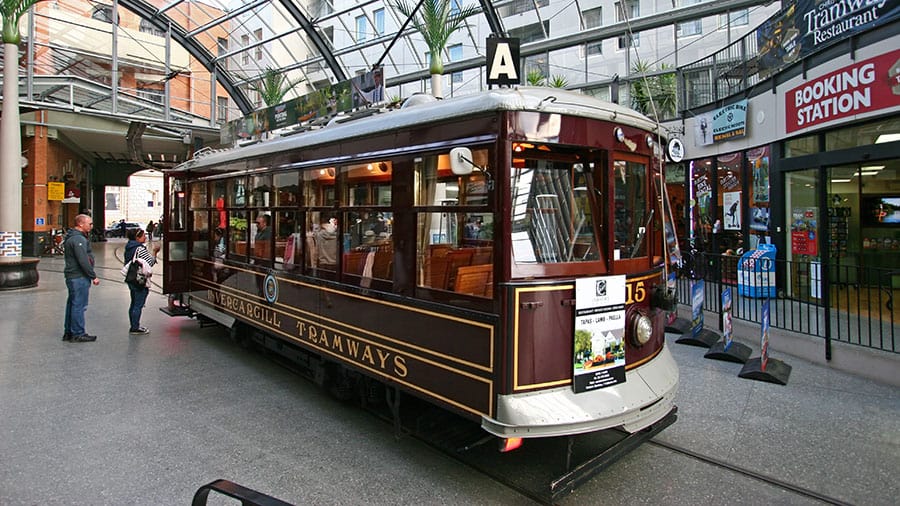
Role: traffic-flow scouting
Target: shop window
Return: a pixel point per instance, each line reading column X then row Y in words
column 877, row 132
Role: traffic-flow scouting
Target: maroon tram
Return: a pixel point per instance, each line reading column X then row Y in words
column 500, row 255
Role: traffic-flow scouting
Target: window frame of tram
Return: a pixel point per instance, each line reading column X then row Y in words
column 540, row 245
column 366, row 222
column 454, row 223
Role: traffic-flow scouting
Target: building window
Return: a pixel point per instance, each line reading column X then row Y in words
column 689, row 28
column 221, row 46
column 259, row 50
column 221, row 109
column 530, row 33
column 628, row 10
column 692, row 27
column 456, row 54
column 593, row 18
column 635, row 41
column 520, row 6
column 360, row 28
column 736, row 18
column 148, row 27
column 103, row 13
column 152, row 94
column 379, row 21
column 245, row 58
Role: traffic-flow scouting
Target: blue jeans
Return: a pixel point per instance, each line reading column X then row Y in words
column 77, row 302
column 138, row 298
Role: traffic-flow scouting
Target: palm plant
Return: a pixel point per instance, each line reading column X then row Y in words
column 10, row 136
column 273, row 85
column 655, row 96
column 436, row 21
column 558, row 81
column 535, row 77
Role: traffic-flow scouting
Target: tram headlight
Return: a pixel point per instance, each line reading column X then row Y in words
column 641, row 329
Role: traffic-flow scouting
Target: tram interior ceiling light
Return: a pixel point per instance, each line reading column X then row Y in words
column 841, row 180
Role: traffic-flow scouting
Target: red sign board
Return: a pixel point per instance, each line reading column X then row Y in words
column 864, row 86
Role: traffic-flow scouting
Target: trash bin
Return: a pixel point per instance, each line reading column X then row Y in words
column 756, row 272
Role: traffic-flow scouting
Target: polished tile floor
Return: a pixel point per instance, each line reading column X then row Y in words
column 148, row 419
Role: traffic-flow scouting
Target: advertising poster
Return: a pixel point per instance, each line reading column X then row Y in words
column 803, row 232
column 764, row 336
column 726, row 317
column 696, row 307
column 599, row 359
column 759, row 163
column 731, row 202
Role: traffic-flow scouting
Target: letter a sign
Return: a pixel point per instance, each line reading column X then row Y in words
column 503, row 61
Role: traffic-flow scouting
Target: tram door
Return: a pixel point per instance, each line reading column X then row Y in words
column 175, row 235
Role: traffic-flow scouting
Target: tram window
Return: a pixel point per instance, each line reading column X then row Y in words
column 261, row 242
column 367, row 184
column 287, row 188
column 630, row 194
column 287, row 240
column 435, row 184
column 318, row 187
column 322, row 232
column 236, row 192
column 552, row 221
column 199, row 198
column 454, row 252
column 177, row 206
column 368, row 248
column 260, row 191
column 237, row 233
column 200, row 234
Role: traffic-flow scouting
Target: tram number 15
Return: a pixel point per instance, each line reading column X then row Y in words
column 635, row 292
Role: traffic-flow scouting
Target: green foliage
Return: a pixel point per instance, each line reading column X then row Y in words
column 12, row 11
column 535, row 78
column 656, row 96
column 273, row 86
column 558, row 81
column 582, row 342
column 435, row 21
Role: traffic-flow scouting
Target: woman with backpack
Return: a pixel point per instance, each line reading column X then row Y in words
column 136, row 252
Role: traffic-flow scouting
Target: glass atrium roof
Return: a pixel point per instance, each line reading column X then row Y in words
column 196, row 62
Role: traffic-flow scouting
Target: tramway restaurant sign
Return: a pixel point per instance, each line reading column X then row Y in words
column 865, row 86
column 804, row 27
column 599, row 333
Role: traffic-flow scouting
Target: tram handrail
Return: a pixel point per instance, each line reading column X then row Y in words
column 247, row 496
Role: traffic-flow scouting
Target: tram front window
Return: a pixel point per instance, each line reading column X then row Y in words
column 551, row 212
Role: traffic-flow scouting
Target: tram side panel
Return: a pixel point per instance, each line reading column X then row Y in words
column 446, row 358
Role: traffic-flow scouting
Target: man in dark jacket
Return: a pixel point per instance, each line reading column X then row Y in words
column 79, row 273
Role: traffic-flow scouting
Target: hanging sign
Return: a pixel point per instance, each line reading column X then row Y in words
column 56, row 191
column 503, row 61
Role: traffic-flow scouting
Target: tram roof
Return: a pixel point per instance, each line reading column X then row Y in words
column 539, row 99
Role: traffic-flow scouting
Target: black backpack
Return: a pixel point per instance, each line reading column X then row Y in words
column 134, row 269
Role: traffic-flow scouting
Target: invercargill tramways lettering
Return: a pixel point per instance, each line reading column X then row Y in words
column 349, row 347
